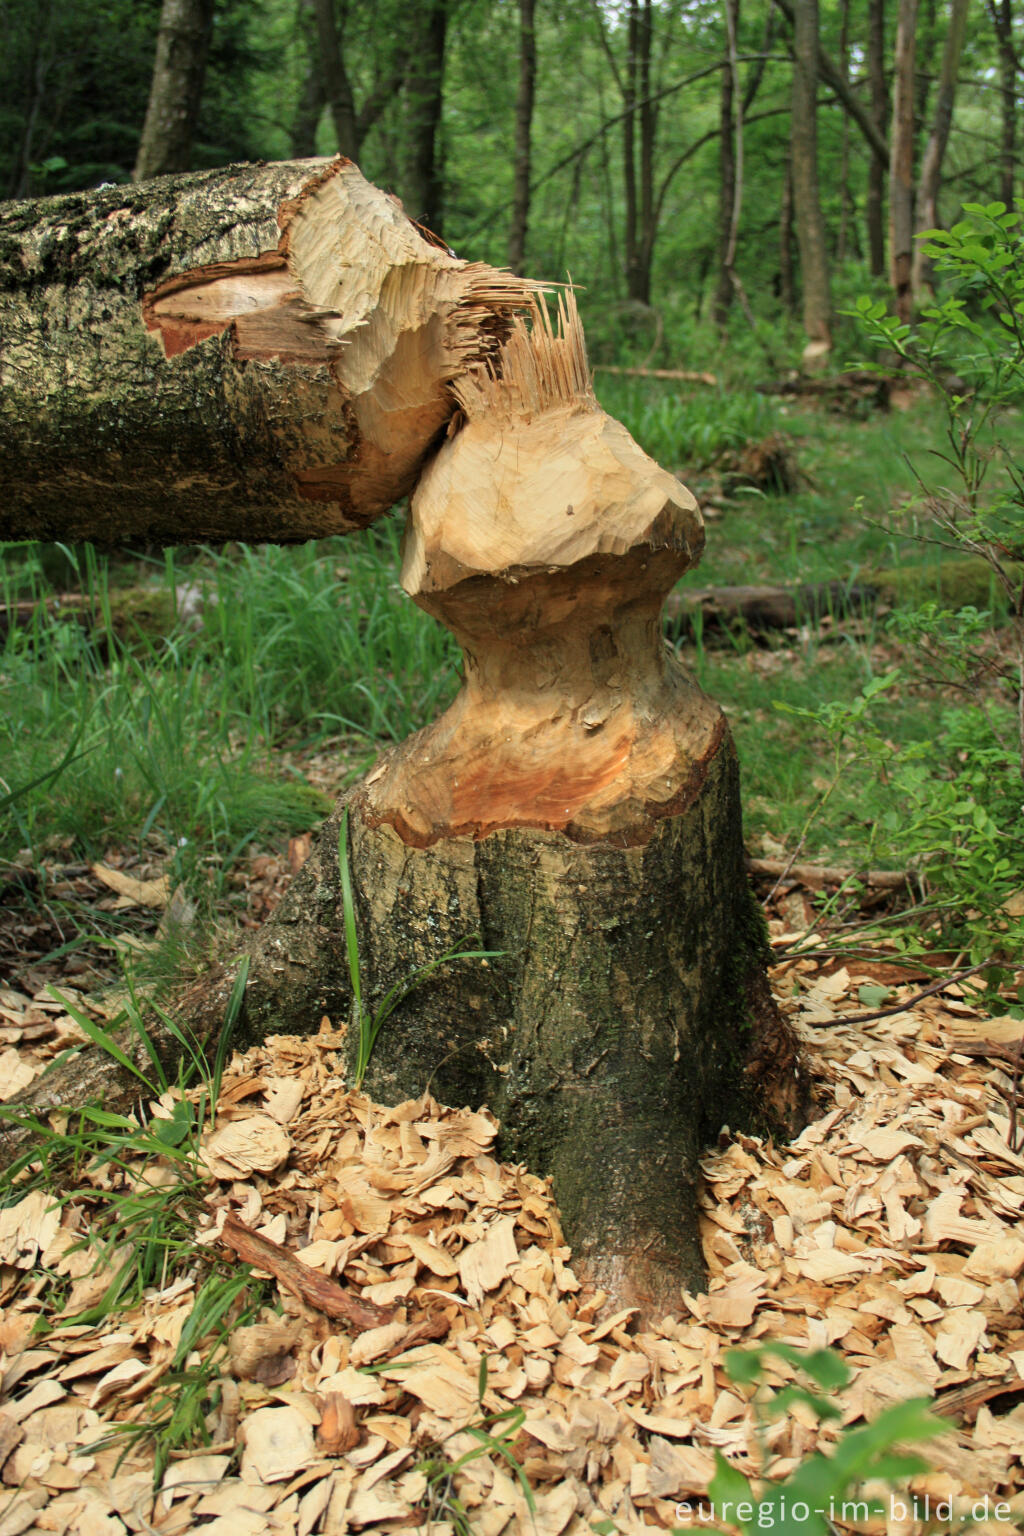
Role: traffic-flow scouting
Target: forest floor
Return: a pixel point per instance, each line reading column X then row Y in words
column 161, row 767
column 480, row 1387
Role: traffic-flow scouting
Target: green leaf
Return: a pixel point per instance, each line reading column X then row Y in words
column 729, row 1486
column 873, row 996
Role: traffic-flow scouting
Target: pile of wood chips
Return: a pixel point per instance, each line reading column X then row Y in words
column 887, row 1230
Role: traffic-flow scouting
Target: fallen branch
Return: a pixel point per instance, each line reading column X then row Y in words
column 763, row 607
column 306, row 1283
column 816, row 876
column 685, row 375
column 908, row 1002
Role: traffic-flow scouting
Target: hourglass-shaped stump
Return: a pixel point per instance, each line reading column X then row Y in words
column 576, row 809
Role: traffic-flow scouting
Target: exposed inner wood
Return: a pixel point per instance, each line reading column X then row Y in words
column 546, row 540
column 355, row 289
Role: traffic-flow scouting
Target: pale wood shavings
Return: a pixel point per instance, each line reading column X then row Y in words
column 888, row 1230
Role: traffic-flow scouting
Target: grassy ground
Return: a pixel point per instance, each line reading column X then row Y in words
column 190, row 735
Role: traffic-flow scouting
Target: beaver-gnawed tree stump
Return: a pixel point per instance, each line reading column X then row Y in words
column 273, row 352
column 577, row 810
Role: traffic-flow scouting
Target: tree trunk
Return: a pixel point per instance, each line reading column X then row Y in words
column 1009, row 65
column 524, row 121
column 631, row 242
column 787, row 285
column 880, row 115
column 648, row 111
column 845, row 195
column 810, row 224
column 832, row 75
column 177, row 90
column 337, row 86
column 261, row 354
column 901, row 166
column 927, row 208
column 576, row 811
column 313, row 98
column 726, row 175
column 423, row 185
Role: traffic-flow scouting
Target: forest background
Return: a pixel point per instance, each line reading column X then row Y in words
column 726, row 184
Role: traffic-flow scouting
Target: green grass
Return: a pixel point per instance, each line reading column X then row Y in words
column 182, row 742
column 131, row 1187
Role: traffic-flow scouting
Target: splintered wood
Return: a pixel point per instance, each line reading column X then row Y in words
column 888, row 1230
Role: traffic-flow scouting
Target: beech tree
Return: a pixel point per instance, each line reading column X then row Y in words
column 901, row 167
column 810, row 225
column 177, row 89
column 276, row 350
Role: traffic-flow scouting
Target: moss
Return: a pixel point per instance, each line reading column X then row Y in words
column 959, row 583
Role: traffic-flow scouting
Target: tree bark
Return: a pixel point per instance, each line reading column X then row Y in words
column 177, row 90
column 880, row 114
column 810, row 224
column 787, row 284
column 423, row 184
column 901, row 165
column 1009, row 66
column 726, row 175
column 523, row 128
column 262, row 353
column 927, row 207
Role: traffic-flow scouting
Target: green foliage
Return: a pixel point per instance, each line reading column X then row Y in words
column 808, row 1499
column 135, row 1186
column 495, row 1433
column 969, row 347
column 954, row 811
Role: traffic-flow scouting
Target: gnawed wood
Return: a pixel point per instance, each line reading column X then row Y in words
column 257, row 353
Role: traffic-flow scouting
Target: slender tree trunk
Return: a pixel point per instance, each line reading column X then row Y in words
column 313, row 98
column 845, row 195
column 523, row 131
column 726, row 174
column 631, row 242
column 423, row 186
column 787, row 285
column 336, row 83
column 901, row 167
column 925, row 44
column 927, row 209
column 177, row 90
column 832, row 75
column 1009, row 67
column 157, row 385
column 810, row 223
column 875, row 211
column 648, row 139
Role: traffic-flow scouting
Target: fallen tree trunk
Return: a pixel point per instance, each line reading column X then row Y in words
column 764, row 608
column 257, row 353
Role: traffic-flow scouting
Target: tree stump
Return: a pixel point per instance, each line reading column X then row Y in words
column 282, row 370
column 577, row 811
